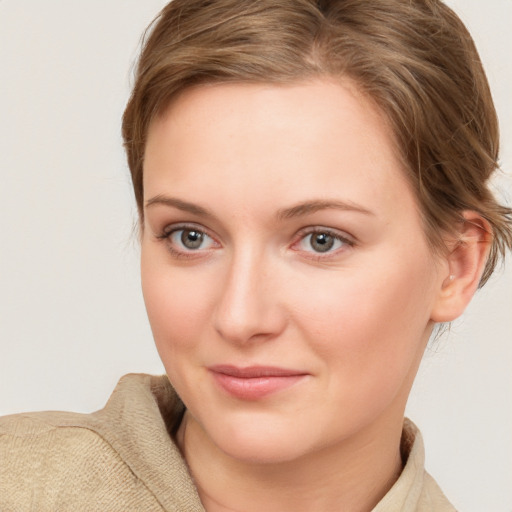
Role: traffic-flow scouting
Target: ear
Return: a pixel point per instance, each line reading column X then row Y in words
column 464, row 265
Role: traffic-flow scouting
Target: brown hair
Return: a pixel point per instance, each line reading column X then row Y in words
column 415, row 59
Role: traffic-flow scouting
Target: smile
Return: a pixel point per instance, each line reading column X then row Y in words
column 255, row 382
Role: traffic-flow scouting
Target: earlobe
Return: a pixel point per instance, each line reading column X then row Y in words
column 466, row 259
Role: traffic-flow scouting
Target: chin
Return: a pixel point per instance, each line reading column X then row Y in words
column 259, row 440
column 261, row 451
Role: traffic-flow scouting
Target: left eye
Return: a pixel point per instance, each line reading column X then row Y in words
column 322, row 242
column 190, row 239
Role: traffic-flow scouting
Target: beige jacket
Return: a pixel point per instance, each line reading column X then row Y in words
column 122, row 458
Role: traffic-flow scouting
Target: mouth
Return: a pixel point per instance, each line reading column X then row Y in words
column 254, row 382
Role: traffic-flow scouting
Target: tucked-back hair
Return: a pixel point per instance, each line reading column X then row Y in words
column 414, row 58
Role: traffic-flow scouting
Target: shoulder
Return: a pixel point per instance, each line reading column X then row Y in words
column 98, row 461
column 50, row 463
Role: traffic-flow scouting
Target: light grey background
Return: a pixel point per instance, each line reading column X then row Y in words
column 72, row 320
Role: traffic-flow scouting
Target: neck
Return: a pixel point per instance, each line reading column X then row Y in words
column 350, row 477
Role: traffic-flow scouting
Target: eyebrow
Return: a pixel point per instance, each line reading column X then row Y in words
column 309, row 207
column 179, row 204
column 298, row 210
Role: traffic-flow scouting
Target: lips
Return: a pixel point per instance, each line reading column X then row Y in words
column 254, row 382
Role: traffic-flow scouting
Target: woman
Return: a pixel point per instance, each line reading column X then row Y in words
column 311, row 183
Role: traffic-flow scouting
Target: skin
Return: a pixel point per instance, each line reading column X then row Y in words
column 233, row 162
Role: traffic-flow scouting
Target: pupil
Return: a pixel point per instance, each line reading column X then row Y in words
column 322, row 242
column 192, row 239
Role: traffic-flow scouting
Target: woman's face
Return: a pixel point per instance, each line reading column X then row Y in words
column 285, row 270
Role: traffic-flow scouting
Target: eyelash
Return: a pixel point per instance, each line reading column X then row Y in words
column 347, row 241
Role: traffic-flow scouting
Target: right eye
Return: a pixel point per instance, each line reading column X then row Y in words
column 187, row 241
column 190, row 239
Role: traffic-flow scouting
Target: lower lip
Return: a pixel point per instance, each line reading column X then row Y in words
column 254, row 388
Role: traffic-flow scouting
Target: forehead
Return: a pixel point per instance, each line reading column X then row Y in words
column 316, row 138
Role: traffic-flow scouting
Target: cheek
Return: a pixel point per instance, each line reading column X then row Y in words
column 177, row 305
column 368, row 333
column 376, row 315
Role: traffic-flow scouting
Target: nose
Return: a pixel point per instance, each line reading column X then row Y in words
column 249, row 308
